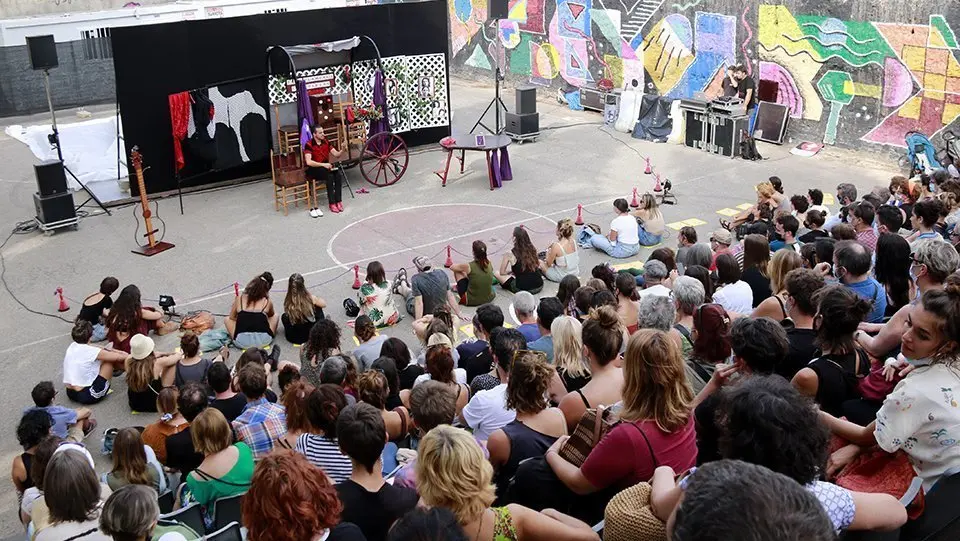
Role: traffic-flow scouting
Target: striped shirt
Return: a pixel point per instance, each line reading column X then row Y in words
column 325, row 454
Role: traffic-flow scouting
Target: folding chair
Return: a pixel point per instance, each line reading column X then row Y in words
column 227, row 510
column 165, row 502
column 230, row 532
column 191, row 515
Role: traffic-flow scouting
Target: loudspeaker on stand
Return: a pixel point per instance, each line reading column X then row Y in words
column 498, row 9
column 43, row 52
column 51, row 178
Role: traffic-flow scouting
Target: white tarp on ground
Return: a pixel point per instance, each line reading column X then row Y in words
column 89, row 148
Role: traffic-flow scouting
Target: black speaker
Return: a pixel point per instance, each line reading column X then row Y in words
column 521, row 125
column 51, row 178
column 43, row 52
column 768, row 90
column 727, row 133
column 526, row 100
column 498, row 9
column 696, row 130
column 771, row 123
column 54, row 208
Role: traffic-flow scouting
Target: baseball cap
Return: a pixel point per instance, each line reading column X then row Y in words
column 722, row 236
column 439, row 339
column 422, row 263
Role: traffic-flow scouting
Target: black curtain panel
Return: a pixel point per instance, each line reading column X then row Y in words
column 227, row 57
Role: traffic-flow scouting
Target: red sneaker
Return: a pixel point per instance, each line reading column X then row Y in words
column 340, row 207
column 333, row 208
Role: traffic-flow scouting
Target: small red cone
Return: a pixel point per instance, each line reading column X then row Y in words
column 647, row 170
column 657, row 187
column 236, row 288
column 64, row 307
column 579, row 220
column 635, row 202
column 449, row 262
column 356, row 277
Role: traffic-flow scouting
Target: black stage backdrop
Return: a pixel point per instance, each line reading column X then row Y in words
column 154, row 61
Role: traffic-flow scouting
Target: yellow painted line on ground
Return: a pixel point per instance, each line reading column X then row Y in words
column 728, row 212
column 828, row 199
column 677, row 225
column 694, row 222
column 745, row 206
column 629, row 265
column 468, row 329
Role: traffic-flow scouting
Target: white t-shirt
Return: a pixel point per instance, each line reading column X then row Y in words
column 80, row 365
column 459, row 374
column 736, row 297
column 658, row 290
column 487, row 412
column 626, row 228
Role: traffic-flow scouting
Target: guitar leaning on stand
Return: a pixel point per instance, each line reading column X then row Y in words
column 153, row 246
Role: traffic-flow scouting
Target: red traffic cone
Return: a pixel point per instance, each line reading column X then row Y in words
column 449, row 262
column 356, row 277
column 64, row 307
column 579, row 220
column 236, row 288
column 657, row 187
column 647, row 170
column 635, row 202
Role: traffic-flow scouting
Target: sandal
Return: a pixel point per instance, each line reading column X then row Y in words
column 398, row 280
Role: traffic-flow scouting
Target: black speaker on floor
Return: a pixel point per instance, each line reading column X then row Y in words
column 54, row 208
column 51, row 178
column 498, row 9
column 43, row 52
column 522, row 125
column 526, row 100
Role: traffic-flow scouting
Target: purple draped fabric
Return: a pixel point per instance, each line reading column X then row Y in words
column 380, row 99
column 304, row 113
column 505, row 172
column 495, row 169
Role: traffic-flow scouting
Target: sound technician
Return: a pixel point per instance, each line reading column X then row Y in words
column 738, row 83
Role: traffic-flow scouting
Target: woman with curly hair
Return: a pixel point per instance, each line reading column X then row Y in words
column 301, row 309
column 563, row 257
column 474, row 280
column 290, row 500
column 520, row 267
column 324, row 341
column 34, row 427
column 252, row 321
column 319, row 444
column 775, row 307
column 128, row 317
column 376, row 299
column 373, row 388
column 536, row 426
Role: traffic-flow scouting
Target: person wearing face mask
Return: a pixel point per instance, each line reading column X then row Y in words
column 851, row 268
column 888, row 219
column 921, row 416
column 846, row 195
column 931, row 262
column 861, row 218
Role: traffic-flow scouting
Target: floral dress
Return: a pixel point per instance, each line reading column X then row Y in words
column 503, row 527
column 376, row 302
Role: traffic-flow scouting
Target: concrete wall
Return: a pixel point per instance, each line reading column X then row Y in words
column 25, row 8
column 854, row 73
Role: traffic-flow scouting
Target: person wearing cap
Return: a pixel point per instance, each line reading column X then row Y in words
column 426, row 290
column 87, row 370
column 147, row 373
column 720, row 241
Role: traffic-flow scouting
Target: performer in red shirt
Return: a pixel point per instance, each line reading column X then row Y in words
column 316, row 156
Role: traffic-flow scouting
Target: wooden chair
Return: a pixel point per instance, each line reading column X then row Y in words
column 290, row 184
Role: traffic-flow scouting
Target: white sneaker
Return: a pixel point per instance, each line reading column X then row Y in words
column 316, row 213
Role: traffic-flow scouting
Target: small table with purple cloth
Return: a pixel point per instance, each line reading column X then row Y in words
column 495, row 148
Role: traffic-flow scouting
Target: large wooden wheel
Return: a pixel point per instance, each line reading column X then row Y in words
column 384, row 159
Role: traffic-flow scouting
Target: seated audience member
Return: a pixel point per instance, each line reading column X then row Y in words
column 607, row 275
column 688, row 296
column 702, row 275
column 767, row 196
column 733, row 294
column 230, row 403
column 861, row 218
column 319, row 445
column 440, row 366
column 583, row 298
column 261, row 422
column 623, row 240
column 34, row 427
column 368, row 501
column 815, row 197
column 147, row 372
column 131, row 514
column 294, row 402
column 660, row 313
column 602, row 338
column 180, row 452
column 226, row 468
column 487, row 410
column 430, row 325
column 651, row 226
column 846, row 196
column 128, row 317
column 889, row 219
column 813, row 221
column 130, row 466
column 536, row 426
column 72, row 499
column 408, row 371
column 428, row 290
column 373, row 389
column 628, row 301
column 666, row 256
column 422, row 524
column 843, row 232
column 525, row 306
column 801, row 286
column 301, row 309
column 376, row 299
column 768, row 423
column 520, row 267
column 851, row 266
column 192, row 366
column 549, row 309
column 774, row 306
column 475, row 356
column 370, row 342
column 504, row 344
column 453, row 473
column 171, row 422
column 929, row 341
column 87, row 370
column 730, row 499
column 474, row 280
column 386, row 366
column 654, row 277
column 563, row 257
column 252, row 321
column 38, row 467
column 67, row 423
column 929, row 266
column 711, row 344
column 289, row 500
column 566, row 292
column 698, row 254
column 786, row 227
column 323, row 342
column 656, row 427
column 572, row 371
column 96, row 306
column 720, row 241
column 686, row 237
column 756, row 258
column 336, row 370
column 924, row 221
column 258, row 357
column 431, row 404
column 892, row 269
column 800, row 205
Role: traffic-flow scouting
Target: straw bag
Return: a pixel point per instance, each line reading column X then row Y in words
column 629, row 517
column 591, row 428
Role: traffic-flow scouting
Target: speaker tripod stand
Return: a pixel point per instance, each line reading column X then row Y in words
column 496, row 103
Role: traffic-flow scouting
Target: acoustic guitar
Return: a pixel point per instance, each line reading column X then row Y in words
column 152, row 246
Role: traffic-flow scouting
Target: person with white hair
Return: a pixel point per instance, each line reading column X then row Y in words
column 525, row 306
column 698, row 254
column 654, row 274
column 688, row 295
column 660, row 313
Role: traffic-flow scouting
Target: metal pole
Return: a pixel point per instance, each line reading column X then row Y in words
column 53, row 114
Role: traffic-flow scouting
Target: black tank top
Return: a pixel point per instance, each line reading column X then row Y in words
column 838, row 376
column 525, row 443
column 250, row 321
column 27, row 459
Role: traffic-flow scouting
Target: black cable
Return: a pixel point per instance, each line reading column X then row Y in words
column 574, row 125
column 27, row 226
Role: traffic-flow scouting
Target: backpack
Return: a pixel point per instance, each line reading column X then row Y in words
column 198, row 322
column 350, row 307
column 748, row 147
column 921, row 152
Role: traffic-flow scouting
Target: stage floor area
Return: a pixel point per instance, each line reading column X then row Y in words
column 231, row 234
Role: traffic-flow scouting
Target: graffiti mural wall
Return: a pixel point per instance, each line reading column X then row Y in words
column 853, row 73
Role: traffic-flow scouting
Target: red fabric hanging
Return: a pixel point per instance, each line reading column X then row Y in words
column 179, row 117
